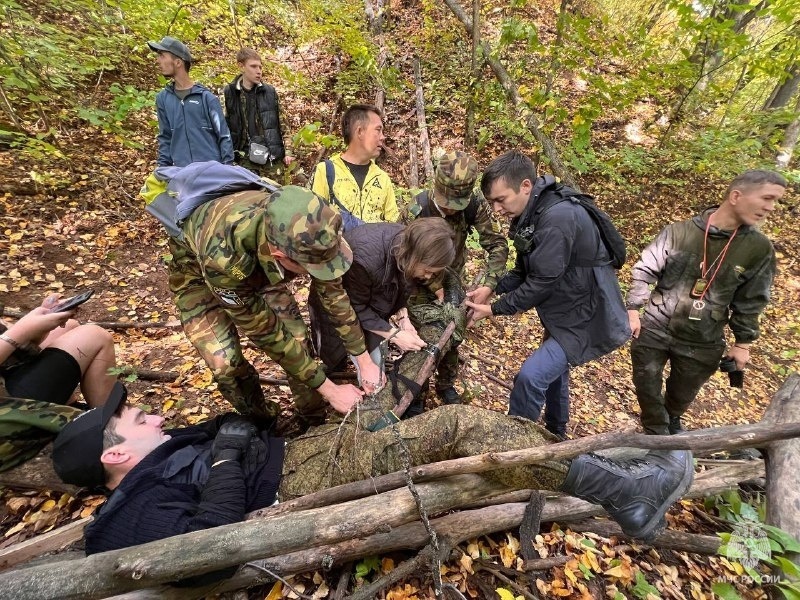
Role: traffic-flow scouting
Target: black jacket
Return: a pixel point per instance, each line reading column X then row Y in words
column 268, row 127
column 580, row 306
column 376, row 286
column 174, row 490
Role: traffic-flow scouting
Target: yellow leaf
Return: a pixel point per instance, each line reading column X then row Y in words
column 16, row 528
column 48, row 505
column 276, row 592
column 617, row 571
column 387, row 564
column 505, row 594
column 167, row 405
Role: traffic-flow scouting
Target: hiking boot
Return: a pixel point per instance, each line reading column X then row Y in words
column 675, row 426
column 636, row 493
column 449, row 395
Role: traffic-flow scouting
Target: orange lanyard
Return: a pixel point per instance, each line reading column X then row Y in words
column 717, row 261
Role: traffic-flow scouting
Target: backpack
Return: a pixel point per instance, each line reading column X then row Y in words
column 349, row 220
column 423, row 201
column 610, row 236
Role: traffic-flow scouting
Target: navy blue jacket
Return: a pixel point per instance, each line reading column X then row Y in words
column 580, row 306
column 174, row 491
column 192, row 129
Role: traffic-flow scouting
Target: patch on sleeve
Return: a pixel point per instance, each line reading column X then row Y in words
column 229, row 297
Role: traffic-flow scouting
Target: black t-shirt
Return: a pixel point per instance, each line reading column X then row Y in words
column 359, row 172
column 182, row 93
column 250, row 109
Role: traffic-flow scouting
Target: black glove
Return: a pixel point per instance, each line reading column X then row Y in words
column 256, row 455
column 232, row 440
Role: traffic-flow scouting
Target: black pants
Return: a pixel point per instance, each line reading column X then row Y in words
column 690, row 367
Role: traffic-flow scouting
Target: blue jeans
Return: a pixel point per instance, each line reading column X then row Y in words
column 543, row 380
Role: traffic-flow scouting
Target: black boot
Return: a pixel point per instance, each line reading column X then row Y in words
column 675, row 425
column 636, row 493
column 449, row 395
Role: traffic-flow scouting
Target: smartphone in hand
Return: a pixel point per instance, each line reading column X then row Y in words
column 73, row 302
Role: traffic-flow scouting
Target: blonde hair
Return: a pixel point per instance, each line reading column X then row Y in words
column 428, row 241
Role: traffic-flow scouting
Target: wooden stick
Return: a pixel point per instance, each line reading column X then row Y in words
column 427, row 369
column 54, row 540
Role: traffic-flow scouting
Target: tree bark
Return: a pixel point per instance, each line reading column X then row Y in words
column 785, row 90
column 790, row 138
column 531, row 120
column 425, row 142
column 783, row 462
column 413, row 171
column 469, row 127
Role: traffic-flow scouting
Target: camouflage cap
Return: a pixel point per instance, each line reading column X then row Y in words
column 455, row 177
column 305, row 227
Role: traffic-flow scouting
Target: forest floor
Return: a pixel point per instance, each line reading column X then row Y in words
column 77, row 224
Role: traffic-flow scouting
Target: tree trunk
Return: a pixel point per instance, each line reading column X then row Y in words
column 469, row 130
column 790, row 137
column 784, row 90
column 425, row 142
column 531, row 121
column 783, row 462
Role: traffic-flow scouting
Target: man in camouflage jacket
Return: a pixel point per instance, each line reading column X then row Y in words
column 230, row 271
column 454, row 198
column 712, row 270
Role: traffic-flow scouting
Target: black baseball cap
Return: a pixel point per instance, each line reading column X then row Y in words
column 77, row 449
column 173, row 46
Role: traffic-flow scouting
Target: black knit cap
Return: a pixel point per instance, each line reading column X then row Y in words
column 77, row 449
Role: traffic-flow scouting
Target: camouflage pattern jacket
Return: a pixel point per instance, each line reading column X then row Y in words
column 372, row 203
column 737, row 295
column 477, row 215
column 227, row 239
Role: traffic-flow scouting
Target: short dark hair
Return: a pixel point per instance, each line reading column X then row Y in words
column 110, row 435
column 753, row 178
column 245, row 54
column 513, row 166
column 356, row 115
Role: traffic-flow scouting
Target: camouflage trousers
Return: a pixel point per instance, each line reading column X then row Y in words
column 27, row 426
column 335, row 454
column 212, row 332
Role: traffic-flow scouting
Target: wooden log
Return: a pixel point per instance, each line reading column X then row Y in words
column 413, row 169
column 681, row 541
column 424, row 140
column 52, row 541
column 783, row 462
column 37, row 474
column 732, row 436
column 459, row 527
column 101, row 575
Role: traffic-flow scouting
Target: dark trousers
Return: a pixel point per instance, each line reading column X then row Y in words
column 690, row 367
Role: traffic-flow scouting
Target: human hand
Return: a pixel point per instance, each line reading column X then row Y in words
column 480, row 295
column 408, row 339
column 370, row 375
column 232, row 439
column 34, row 326
column 287, row 160
column 635, row 322
column 477, row 312
column 341, row 397
column 740, row 355
column 439, row 294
